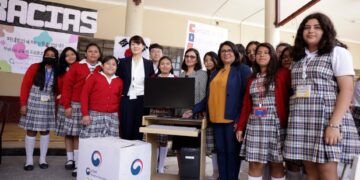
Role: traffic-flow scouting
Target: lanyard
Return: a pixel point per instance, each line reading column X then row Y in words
column 304, row 67
column 48, row 75
column 260, row 88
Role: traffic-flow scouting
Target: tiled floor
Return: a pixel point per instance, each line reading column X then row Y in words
column 11, row 167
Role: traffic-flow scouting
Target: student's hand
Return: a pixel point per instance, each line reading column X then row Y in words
column 239, row 136
column 85, row 120
column 68, row 112
column 332, row 136
column 23, row 110
column 187, row 114
column 58, row 97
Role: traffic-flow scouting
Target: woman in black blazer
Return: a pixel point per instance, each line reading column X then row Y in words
column 133, row 70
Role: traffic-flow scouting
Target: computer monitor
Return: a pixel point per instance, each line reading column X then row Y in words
column 169, row 92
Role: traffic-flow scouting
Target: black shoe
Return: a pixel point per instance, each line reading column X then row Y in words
column 70, row 165
column 74, row 173
column 44, row 165
column 29, row 167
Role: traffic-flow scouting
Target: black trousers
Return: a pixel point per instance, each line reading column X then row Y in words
column 131, row 112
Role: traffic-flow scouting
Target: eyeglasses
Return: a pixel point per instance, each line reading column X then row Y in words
column 191, row 57
column 226, row 51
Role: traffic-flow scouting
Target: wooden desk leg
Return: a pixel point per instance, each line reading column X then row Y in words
column 202, row 154
column 151, row 138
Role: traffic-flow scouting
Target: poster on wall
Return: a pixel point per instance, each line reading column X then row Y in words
column 204, row 37
column 49, row 16
column 122, row 48
column 21, row 47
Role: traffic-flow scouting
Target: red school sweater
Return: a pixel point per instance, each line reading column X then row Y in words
column 282, row 95
column 60, row 83
column 98, row 95
column 74, row 82
column 27, row 83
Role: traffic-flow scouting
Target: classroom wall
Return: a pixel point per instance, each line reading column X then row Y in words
column 166, row 28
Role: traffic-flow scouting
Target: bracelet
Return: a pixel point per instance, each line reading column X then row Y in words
column 334, row 126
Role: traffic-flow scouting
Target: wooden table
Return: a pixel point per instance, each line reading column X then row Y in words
column 176, row 126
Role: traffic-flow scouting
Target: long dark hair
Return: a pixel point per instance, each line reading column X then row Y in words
column 198, row 65
column 161, row 59
column 39, row 79
column 271, row 68
column 62, row 64
column 242, row 51
column 327, row 42
column 234, row 50
column 214, row 58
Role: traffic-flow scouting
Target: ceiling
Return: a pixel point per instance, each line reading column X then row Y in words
column 344, row 13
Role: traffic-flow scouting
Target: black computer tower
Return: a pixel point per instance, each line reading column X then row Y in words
column 190, row 164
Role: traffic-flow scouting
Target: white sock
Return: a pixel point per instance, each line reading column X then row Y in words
column 282, row 178
column 254, row 178
column 162, row 156
column 44, row 144
column 293, row 175
column 29, row 148
column 70, row 156
column 76, row 157
column 215, row 164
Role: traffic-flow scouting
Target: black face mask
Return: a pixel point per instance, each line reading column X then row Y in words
column 49, row 60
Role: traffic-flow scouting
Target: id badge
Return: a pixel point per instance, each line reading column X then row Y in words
column 260, row 111
column 303, row 91
column 45, row 98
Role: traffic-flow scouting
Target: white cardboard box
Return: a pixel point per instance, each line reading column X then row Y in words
column 112, row 158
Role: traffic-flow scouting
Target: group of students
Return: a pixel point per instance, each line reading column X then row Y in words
column 87, row 98
column 289, row 105
column 89, row 95
column 292, row 107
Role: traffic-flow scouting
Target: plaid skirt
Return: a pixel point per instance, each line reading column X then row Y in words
column 210, row 144
column 355, row 111
column 305, row 134
column 60, row 121
column 40, row 115
column 264, row 139
column 72, row 127
column 101, row 125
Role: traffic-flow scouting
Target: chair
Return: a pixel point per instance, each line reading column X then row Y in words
column 4, row 114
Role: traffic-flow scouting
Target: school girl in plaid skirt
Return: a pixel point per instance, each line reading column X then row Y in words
column 321, row 131
column 67, row 57
column 73, row 85
column 264, row 114
column 165, row 70
column 37, row 98
column 355, row 109
column 100, row 99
